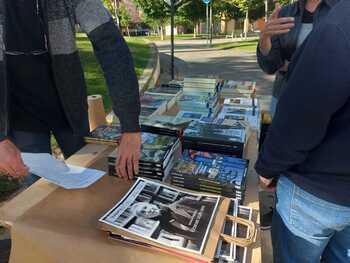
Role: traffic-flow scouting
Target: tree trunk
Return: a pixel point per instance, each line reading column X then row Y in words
column 127, row 31
column 246, row 25
column 195, row 30
column 161, row 32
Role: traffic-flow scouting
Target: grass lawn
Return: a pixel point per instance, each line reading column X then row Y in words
column 94, row 77
column 241, row 45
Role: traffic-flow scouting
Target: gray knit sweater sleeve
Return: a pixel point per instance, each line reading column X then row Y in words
column 116, row 61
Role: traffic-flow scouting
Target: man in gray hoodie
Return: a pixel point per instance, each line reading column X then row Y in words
column 42, row 86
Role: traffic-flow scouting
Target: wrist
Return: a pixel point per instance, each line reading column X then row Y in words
column 265, row 44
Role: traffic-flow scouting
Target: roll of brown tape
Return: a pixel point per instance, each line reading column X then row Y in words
column 97, row 114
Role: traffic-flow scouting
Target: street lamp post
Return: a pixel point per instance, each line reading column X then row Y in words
column 172, row 6
column 207, row 2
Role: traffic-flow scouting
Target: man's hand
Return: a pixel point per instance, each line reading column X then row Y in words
column 274, row 26
column 129, row 153
column 267, row 184
column 11, row 162
column 285, row 67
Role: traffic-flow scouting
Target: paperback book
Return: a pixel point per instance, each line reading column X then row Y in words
column 105, row 134
column 210, row 172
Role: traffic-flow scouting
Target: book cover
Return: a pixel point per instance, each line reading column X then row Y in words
column 215, row 132
column 105, row 134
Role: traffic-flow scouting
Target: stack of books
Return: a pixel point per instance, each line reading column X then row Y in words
column 166, row 89
column 217, row 138
column 252, row 115
column 231, row 88
column 202, row 85
column 207, row 105
column 155, row 104
column 165, row 125
column 158, row 155
column 241, row 102
column 209, row 172
column 105, row 134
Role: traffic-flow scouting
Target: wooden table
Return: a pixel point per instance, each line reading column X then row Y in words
column 14, row 213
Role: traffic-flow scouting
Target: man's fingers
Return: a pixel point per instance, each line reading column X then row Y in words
column 279, row 32
column 122, row 168
column 7, row 168
column 19, row 167
column 281, row 20
column 276, row 12
column 135, row 160
column 130, row 168
column 280, row 27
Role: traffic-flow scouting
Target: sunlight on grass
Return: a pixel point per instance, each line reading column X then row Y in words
column 93, row 74
column 241, row 45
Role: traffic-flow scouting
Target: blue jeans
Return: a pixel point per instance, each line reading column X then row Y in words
column 307, row 229
column 33, row 142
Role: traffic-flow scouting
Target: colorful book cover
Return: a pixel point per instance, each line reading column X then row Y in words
column 215, row 132
column 104, row 134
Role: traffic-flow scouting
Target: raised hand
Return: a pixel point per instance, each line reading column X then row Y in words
column 274, row 26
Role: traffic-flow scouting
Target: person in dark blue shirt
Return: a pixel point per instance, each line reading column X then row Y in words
column 307, row 148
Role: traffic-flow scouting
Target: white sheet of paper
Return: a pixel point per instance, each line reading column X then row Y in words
column 57, row 172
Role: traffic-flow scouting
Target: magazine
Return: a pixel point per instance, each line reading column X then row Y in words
column 165, row 215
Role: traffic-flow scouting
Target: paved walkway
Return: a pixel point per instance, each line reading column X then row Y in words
column 194, row 58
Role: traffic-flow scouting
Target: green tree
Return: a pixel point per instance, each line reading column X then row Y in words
column 155, row 11
column 253, row 9
column 112, row 6
column 190, row 13
column 124, row 18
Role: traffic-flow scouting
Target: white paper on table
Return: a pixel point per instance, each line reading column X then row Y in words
column 57, row 172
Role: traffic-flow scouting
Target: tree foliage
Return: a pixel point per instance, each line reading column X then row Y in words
column 156, row 10
column 124, row 16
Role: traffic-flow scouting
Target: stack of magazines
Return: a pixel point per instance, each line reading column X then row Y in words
column 164, row 125
column 158, row 156
column 165, row 219
column 216, row 138
column 105, row 134
column 213, row 173
column 231, row 88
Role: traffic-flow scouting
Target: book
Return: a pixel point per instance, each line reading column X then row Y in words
column 215, row 171
column 155, row 148
column 188, row 115
column 242, row 102
column 165, row 89
column 210, row 132
column 166, row 217
column 105, row 134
